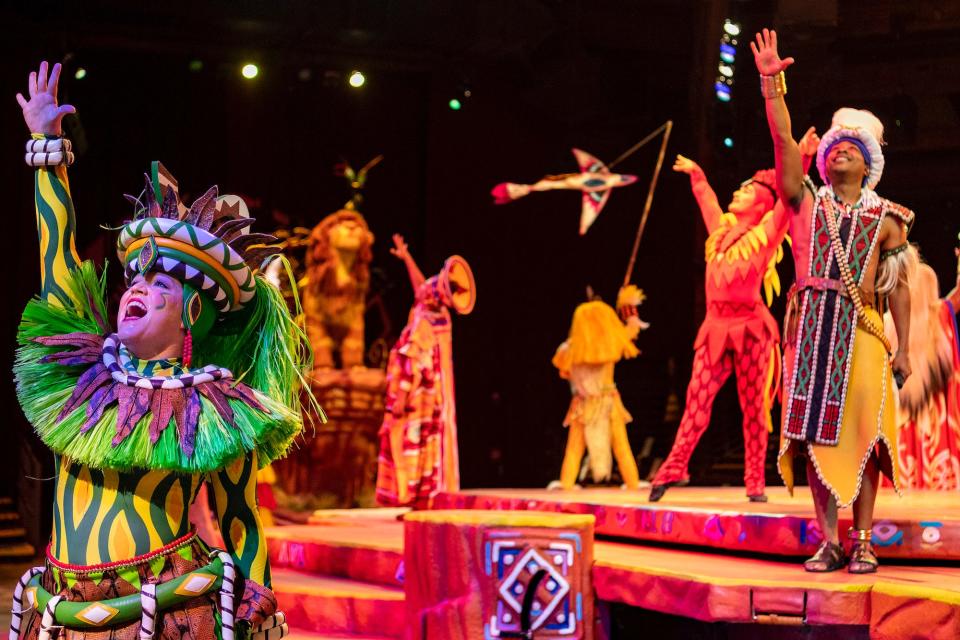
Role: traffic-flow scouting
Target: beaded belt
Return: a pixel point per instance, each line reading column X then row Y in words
column 819, row 284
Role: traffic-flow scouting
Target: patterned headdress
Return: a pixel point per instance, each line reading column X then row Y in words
column 207, row 247
column 863, row 129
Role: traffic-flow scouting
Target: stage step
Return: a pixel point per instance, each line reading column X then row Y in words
column 13, row 544
column 297, row 634
column 345, row 547
column 726, row 588
column 329, row 605
column 921, row 525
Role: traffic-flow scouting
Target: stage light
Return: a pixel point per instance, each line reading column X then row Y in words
column 728, row 53
column 250, row 71
column 455, row 104
column 195, row 65
column 357, row 80
column 80, row 74
column 726, row 70
column 728, row 142
column 304, row 74
column 730, row 27
column 723, row 92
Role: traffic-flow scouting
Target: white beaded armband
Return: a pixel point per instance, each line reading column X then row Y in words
column 49, row 152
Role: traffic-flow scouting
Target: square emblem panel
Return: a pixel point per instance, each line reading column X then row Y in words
column 513, row 561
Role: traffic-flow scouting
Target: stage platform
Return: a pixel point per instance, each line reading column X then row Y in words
column 920, row 525
column 342, row 572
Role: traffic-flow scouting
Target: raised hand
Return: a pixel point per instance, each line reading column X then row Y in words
column 41, row 112
column 809, row 142
column 399, row 248
column 765, row 54
column 684, row 165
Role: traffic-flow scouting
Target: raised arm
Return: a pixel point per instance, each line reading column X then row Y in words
column 786, row 153
column 401, row 251
column 781, row 215
column 706, row 198
column 56, row 223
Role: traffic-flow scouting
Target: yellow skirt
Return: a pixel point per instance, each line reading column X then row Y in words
column 869, row 423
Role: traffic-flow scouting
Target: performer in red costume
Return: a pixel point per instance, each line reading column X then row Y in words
column 739, row 333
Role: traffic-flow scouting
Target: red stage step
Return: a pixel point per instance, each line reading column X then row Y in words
column 716, row 587
column 341, row 548
column 706, row 585
column 922, row 524
column 328, row 605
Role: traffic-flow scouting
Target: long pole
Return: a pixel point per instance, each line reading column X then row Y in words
column 667, row 128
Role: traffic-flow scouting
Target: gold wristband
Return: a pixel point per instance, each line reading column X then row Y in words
column 773, row 86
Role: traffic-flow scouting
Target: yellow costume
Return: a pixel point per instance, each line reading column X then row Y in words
column 597, row 418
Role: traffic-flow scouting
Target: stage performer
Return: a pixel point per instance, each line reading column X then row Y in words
column 200, row 380
column 597, row 420
column 928, row 415
column 738, row 334
column 839, row 407
column 418, row 439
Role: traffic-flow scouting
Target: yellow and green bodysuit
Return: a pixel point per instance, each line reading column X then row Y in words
column 135, row 439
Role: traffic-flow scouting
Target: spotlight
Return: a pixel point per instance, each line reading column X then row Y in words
column 80, row 74
column 723, row 92
column 728, row 53
column 195, row 65
column 728, row 142
column 726, row 70
column 455, row 104
column 304, row 74
column 730, row 27
column 250, row 71
column 357, row 80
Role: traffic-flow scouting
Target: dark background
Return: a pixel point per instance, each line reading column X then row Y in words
column 545, row 76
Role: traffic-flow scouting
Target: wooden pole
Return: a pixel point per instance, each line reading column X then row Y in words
column 667, row 128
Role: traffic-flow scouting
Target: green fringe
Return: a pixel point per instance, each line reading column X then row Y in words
column 267, row 350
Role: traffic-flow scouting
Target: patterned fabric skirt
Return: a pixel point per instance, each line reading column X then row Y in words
column 869, row 424
column 195, row 619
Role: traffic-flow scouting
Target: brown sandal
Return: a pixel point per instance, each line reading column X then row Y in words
column 862, row 557
column 829, row 557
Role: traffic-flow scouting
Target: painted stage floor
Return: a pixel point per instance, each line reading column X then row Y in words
column 920, row 525
column 342, row 572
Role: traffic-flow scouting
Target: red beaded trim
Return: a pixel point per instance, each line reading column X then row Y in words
column 81, row 569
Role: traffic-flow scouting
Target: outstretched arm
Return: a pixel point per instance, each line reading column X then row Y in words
column 702, row 191
column 786, row 153
column 401, row 251
column 56, row 223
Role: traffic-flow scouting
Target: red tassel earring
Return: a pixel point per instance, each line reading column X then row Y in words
column 187, row 349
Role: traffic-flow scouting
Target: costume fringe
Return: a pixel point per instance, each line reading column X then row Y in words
column 265, row 348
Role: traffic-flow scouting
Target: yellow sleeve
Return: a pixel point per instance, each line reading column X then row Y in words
column 56, row 227
column 235, row 494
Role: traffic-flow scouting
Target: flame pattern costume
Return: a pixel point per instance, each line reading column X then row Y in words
column 738, row 334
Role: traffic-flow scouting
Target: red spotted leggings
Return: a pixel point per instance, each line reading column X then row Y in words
column 752, row 368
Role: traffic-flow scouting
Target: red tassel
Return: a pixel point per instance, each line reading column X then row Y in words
column 187, row 349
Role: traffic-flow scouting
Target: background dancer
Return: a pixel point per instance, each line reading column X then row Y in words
column 739, row 333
